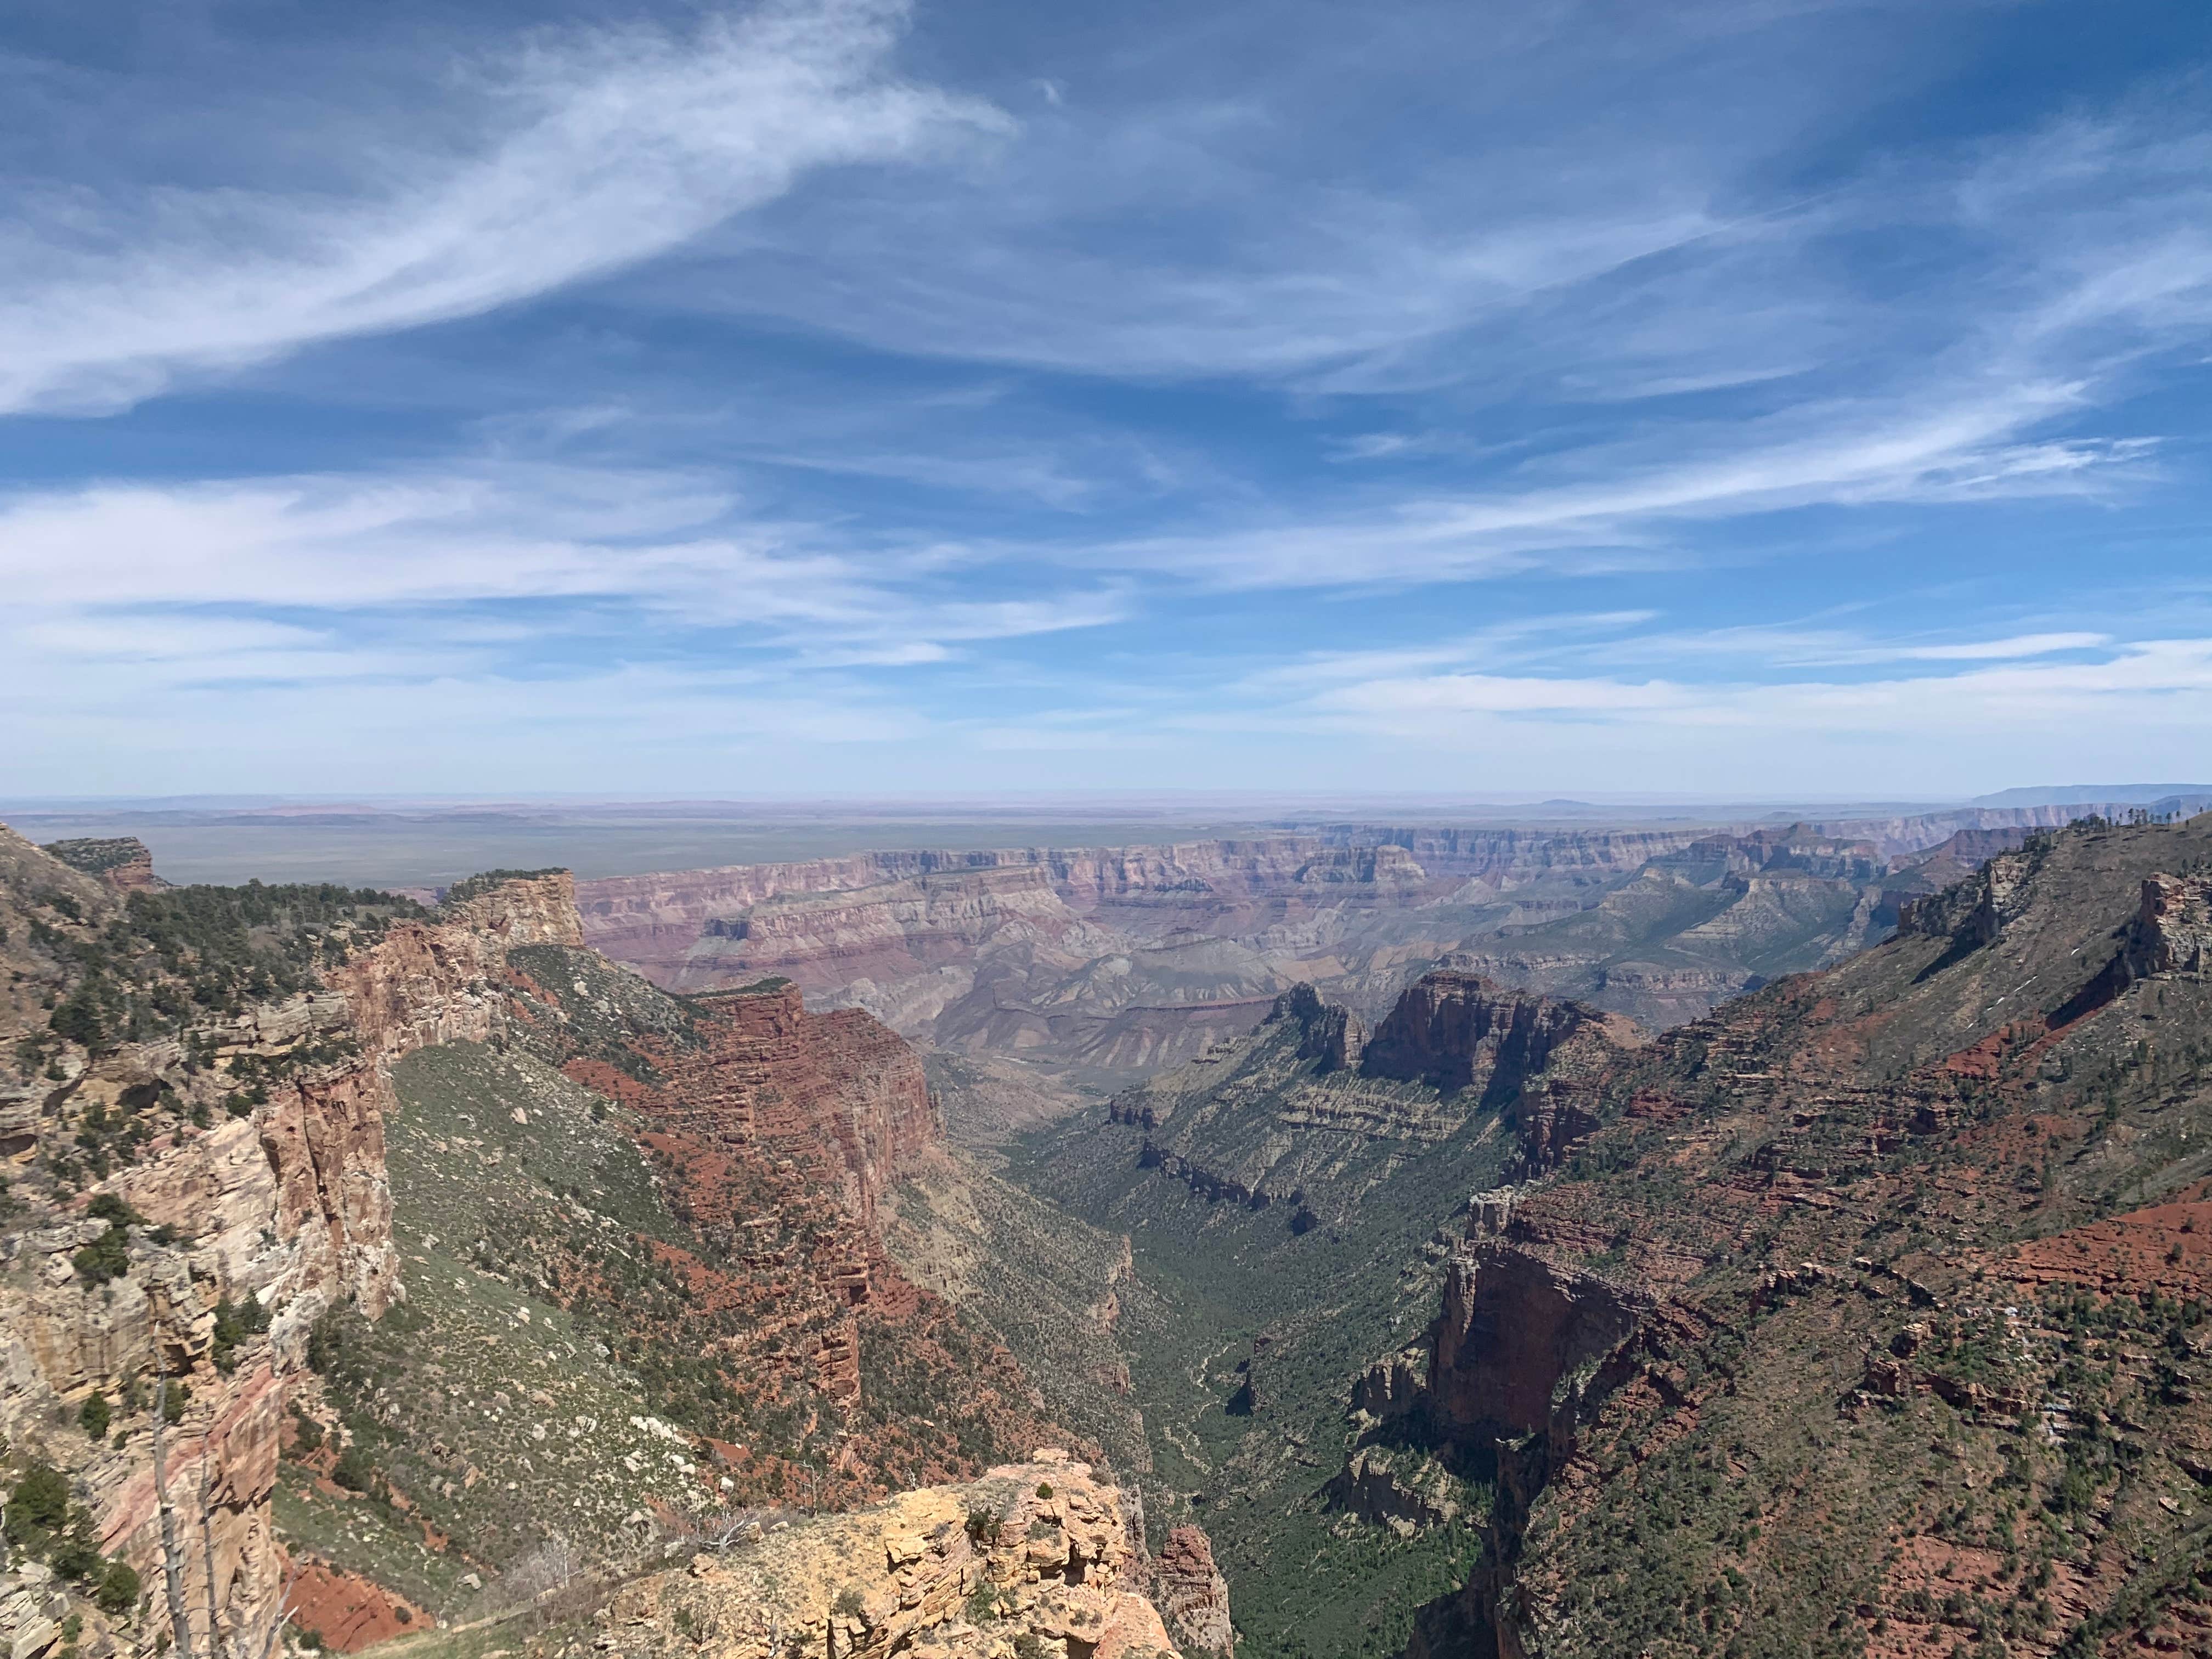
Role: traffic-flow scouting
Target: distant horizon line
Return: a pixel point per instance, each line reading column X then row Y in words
column 1005, row 803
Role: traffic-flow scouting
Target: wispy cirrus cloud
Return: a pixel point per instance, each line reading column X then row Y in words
column 575, row 156
column 471, row 569
column 2142, row 686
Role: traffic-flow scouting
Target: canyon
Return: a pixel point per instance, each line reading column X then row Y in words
column 1089, row 968
column 1227, row 1226
column 337, row 1180
column 1654, row 1322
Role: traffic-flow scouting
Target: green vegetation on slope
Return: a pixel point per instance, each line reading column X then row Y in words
column 498, row 1416
column 1250, row 1328
column 176, row 955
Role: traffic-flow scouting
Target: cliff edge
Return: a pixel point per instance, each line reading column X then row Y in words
column 1033, row 1557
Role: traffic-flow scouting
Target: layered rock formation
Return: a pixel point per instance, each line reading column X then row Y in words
column 1327, row 1033
column 1860, row 1309
column 835, row 1092
column 284, row 1202
column 1514, row 1326
column 1458, row 1031
column 238, row 1149
column 124, row 862
column 1031, row 1553
column 884, row 902
column 1191, row 1593
column 2174, row 926
column 1107, row 964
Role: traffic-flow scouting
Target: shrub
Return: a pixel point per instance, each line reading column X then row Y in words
column 111, row 1209
column 75, row 1555
column 848, row 1602
column 36, row 1507
column 985, row 1526
column 233, row 1323
column 118, row 1589
column 1044, row 1488
column 77, row 1020
column 107, row 1257
column 93, row 1416
column 354, row 1471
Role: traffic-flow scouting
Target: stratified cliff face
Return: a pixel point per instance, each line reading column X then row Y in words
column 1087, row 961
column 1864, row 1315
column 247, row 1151
column 835, row 1092
column 2173, row 927
column 886, row 931
column 831, row 921
column 124, row 862
column 779, row 1132
column 1503, row 860
column 1514, row 1327
column 1191, row 1593
column 1030, row 1554
column 238, row 1147
column 1457, row 1031
column 1107, row 962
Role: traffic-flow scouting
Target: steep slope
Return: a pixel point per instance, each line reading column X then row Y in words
column 570, row 1259
column 1867, row 1316
column 1282, row 1201
column 213, row 1064
column 682, row 1216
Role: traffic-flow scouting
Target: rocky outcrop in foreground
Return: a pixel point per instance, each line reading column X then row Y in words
column 1032, row 1558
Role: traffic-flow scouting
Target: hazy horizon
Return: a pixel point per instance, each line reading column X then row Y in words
column 422, row 844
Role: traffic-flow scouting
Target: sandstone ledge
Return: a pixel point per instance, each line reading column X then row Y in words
column 925, row 1573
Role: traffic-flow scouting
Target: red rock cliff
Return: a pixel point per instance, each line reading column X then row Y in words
column 1458, row 1031
column 289, row 1204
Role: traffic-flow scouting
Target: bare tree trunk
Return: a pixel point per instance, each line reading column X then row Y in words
column 207, row 1553
column 172, row 1561
column 274, row 1626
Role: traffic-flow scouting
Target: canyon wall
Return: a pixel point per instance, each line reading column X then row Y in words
column 254, row 1175
column 285, row 1202
column 1455, row 1030
column 1772, row 1346
column 1078, row 959
column 926, row 903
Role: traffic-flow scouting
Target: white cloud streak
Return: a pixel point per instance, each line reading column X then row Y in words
column 2162, row 684
column 588, row 154
column 263, row 578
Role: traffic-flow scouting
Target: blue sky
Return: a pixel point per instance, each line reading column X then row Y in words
column 1772, row 398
